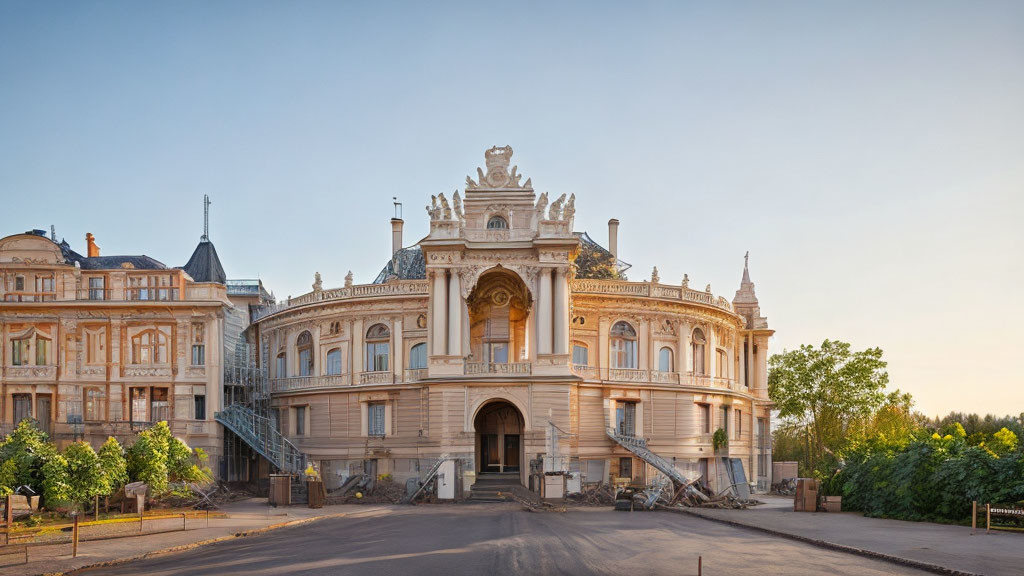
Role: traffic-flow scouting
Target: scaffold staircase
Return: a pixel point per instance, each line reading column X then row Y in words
column 259, row 433
column 638, row 446
column 425, row 481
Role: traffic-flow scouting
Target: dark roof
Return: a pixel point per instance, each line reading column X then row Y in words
column 142, row 262
column 204, row 265
column 595, row 261
column 411, row 266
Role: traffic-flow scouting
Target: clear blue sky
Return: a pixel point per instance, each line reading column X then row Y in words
column 869, row 155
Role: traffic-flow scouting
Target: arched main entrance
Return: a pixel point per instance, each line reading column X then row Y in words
column 499, row 440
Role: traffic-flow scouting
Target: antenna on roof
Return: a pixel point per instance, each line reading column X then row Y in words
column 206, row 218
column 398, row 207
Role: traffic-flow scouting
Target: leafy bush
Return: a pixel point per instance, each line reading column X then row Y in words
column 28, row 447
column 113, row 465
column 147, row 457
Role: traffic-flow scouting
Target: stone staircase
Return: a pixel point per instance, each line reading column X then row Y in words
column 495, row 487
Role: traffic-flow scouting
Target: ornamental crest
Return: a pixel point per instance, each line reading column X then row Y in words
column 498, row 175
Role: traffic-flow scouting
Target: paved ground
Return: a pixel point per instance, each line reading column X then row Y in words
column 950, row 547
column 503, row 539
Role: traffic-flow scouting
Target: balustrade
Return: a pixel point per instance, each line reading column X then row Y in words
column 481, row 368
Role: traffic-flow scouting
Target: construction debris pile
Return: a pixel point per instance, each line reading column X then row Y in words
column 665, row 494
column 360, row 489
column 594, row 495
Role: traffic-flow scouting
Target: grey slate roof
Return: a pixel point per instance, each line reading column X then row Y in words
column 411, row 266
column 142, row 262
column 204, row 265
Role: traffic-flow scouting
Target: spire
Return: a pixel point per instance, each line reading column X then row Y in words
column 206, row 219
column 746, row 271
column 745, row 302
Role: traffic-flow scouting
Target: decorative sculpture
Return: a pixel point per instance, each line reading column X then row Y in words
column 708, row 289
column 542, row 204
column 570, row 209
column 498, row 175
column 446, row 209
column 555, row 211
column 458, row 206
column 318, row 284
column 686, row 280
column 654, row 276
column 348, row 279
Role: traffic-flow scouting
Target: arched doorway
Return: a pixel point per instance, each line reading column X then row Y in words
column 498, row 305
column 499, row 440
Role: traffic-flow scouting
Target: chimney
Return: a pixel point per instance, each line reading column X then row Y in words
column 93, row 249
column 396, row 241
column 613, row 237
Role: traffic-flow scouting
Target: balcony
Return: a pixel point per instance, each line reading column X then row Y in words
column 649, row 290
column 493, row 368
column 627, row 375
column 157, row 294
column 309, row 382
column 376, row 377
column 30, row 372
column 143, row 371
column 586, row 372
column 30, row 296
column 664, row 377
column 415, row 374
column 94, row 294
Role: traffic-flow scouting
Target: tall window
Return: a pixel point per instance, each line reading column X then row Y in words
column 42, row 351
column 579, row 354
column 300, row 420
column 282, row 365
column 665, row 359
column 95, row 402
column 725, row 419
column 375, row 419
column 19, row 352
column 96, row 288
column 625, row 418
column 623, row 345
column 497, row 223
column 19, row 284
column 198, row 344
column 378, row 348
column 721, row 364
column 95, row 347
column 199, row 405
column 149, row 347
column 139, row 401
column 22, row 406
column 698, row 351
column 418, row 356
column 156, row 287
column 705, row 418
column 739, row 423
column 160, row 408
column 44, row 284
column 762, row 447
column 334, row 362
column 304, row 345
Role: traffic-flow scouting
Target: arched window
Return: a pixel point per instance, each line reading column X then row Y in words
column 378, row 348
column 149, row 347
column 282, row 365
column 665, row 359
column 580, row 354
column 497, row 223
column 623, row 345
column 698, row 351
column 304, row 346
column 418, row 356
column 333, row 362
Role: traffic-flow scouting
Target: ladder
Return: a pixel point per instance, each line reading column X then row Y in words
column 431, row 473
column 638, row 446
column 258, row 432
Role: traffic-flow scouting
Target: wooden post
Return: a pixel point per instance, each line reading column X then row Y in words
column 974, row 516
column 182, row 521
column 96, row 516
column 8, row 519
column 988, row 517
column 141, row 511
column 700, row 565
column 207, row 517
column 74, row 538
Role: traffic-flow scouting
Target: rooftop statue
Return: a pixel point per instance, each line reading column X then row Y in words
column 555, row 211
column 498, row 175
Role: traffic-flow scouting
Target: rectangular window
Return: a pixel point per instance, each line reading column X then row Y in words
column 305, row 362
column 626, row 467
column 282, row 366
column 44, row 284
column 625, row 418
column 42, row 352
column 139, row 405
column 160, row 408
column 22, row 407
column 762, row 447
column 199, row 400
column 198, row 355
column 96, row 288
column 705, row 418
column 19, row 284
column 497, row 352
column 334, row 362
column 95, row 404
column 300, row 420
column 377, row 356
column 579, row 355
column 725, row 419
column 19, row 352
column 375, row 419
column 95, row 348
column 739, row 423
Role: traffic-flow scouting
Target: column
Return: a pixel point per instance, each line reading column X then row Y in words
column 454, row 316
column 544, row 313
column 398, row 353
column 561, row 315
column 744, row 346
column 439, row 347
column 682, row 362
column 712, row 351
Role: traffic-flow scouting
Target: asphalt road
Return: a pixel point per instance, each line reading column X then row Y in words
column 503, row 539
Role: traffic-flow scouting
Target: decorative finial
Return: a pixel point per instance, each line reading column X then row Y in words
column 348, row 279
column 686, row 280
column 746, row 259
column 654, row 276
column 318, row 284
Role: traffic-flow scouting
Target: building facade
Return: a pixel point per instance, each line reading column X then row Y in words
column 505, row 340
column 97, row 346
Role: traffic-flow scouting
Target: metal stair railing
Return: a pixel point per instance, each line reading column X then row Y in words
column 431, row 473
column 258, row 432
column 638, row 446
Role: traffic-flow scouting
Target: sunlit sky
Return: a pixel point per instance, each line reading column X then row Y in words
column 870, row 156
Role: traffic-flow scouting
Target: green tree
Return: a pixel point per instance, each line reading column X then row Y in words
column 28, row 448
column 56, row 483
column 113, row 465
column 828, row 395
column 8, row 477
column 85, row 475
column 147, row 457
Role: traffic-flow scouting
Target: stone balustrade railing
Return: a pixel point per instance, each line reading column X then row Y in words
column 655, row 377
column 483, row 368
column 647, row 289
column 397, row 288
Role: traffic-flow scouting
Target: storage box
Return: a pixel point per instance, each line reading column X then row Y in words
column 833, row 503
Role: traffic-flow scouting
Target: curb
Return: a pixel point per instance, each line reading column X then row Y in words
column 934, row 568
column 192, row 545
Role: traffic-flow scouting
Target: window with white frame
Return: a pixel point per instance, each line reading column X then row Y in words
column 375, row 414
column 623, row 345
column 625, row 418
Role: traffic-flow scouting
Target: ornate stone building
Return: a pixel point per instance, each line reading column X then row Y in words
column 96, row 346
column 504, row 339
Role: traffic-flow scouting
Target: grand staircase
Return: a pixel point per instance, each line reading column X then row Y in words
column 258, row 432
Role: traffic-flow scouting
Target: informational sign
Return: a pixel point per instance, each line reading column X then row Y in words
column 1006, row 516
